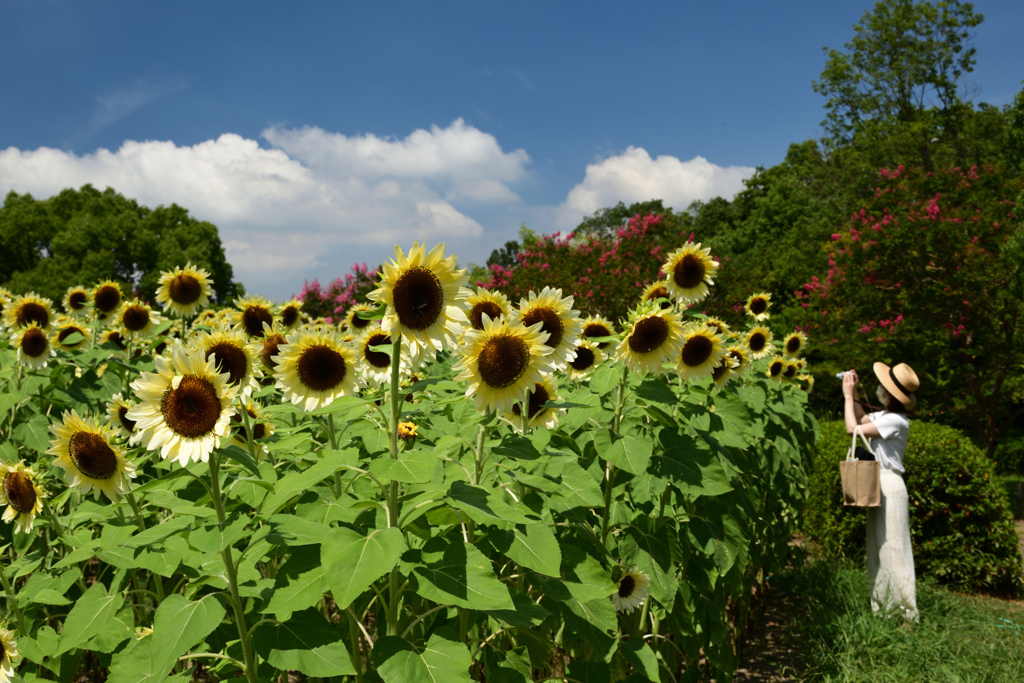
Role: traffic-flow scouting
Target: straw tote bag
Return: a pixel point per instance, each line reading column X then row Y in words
column 862, row 486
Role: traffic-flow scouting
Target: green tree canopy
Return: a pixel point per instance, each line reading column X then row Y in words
column 80, row 237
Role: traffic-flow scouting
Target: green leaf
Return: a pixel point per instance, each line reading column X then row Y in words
column 657, row 390
column 304, row 480
column 517, row 447
column 213, row 538
column 584, row 576
column 416, row 467
column 88, row 617
column 242, row 458
column 483, row 506
column 374, row 314
column 579, row 489
column 628, row 453
column 159, row 532
column 162, row 559
column 589, row 672
column 527, row 614
column 642, row 658
column 536, row 548
column 440, row 661
column 693, row 470
column 300, row 583
column 352, row 562
column 179, row 625
column 463, row 577
column 289, row 530
column 307, row 643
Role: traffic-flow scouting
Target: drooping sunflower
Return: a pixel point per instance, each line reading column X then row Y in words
column 654, row 338
column 10, row 654
column 232, row 354
column 633, row 588
column 702, row 350
column 588, row 357
column 725, row 371
column 261, row 427
column 502, row 362
column 720, row 326
column 596, row 326
column 29, row 308
column 757, row 306
column 106, row 298
column 492, row 302
column 315, row 368
column 759, row 341
column 791, row 370
column 808, row 380
column 253, row 312
column 777, row 368
column 138, row 318
column 184, row 408
column 794, row 344
column 117, row 415
column 115, row 336
column 689, row 270
column 21, row 494
column 425, row 297
column 290, row 314
column 33, row 346
column 64, row 328
column 89, row 459
column 375, row 366
column 272, row 342
column 183, row 291
column 76, row 301
column 354, row 323
column 537, row 415
column 742, row 357
column 557, row 318
column 658, row 290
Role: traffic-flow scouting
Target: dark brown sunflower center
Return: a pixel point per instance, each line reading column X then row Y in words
column 757, row 342
column 193, row 408
column 253, row 318
column 660, row 293
column 92, row 455
column 377, row 359
column 648, row 334
column 289, row 315
column 720, row 370
column 31, row 312
column 584, row 358
column 626, row 586
column 538, row 397
column 793, row 345
column 737, row 356
column 259, row 430
column 775, row 369
column 270, row 344
column 67, row 332
column 34, row 342
column 229, row 358
column 790, row 371
column 492, row 310
column 320, row 367
column 135, row 318
column 106, row 298
column 185, row 289
column 697, row 350
column 503, row 360
column 77, row 300
column 552, row 324
column 122, row 416
column 758, row 305
column 597, row 330
column 418, row 298
column 359, row 323
column 20, row 492
column 689, row 271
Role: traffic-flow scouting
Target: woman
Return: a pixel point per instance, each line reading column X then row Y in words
column 890, row 555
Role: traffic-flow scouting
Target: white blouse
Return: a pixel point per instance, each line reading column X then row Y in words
column 891, row 444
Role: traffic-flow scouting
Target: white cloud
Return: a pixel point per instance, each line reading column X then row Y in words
column 634, row 176
column 120, row 103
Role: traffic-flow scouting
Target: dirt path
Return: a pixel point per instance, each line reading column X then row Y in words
column 770, row 654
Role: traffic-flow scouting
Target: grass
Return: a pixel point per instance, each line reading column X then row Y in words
column 961, row 638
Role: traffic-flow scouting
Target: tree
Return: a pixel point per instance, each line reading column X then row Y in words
column 79, row 237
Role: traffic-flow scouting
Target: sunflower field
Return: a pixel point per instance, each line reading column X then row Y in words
column 446, row 485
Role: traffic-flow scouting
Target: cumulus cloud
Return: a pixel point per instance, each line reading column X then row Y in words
column 312, row 200
column 634, row 176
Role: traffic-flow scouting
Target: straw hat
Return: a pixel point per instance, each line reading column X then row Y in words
column 900, row 381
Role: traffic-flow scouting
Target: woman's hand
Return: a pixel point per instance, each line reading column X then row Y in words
column 849, row 383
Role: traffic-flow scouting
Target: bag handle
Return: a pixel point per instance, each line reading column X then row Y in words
column 853, row 444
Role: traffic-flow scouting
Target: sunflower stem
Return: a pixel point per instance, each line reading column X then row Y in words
column 247, row 422
column 334, row 446
column 232, row 574
column 11, row 600
column 142, row 527
column 610, row 469
column 393, row 519
column 357, row 658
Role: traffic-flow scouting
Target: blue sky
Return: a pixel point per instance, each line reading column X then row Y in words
column 318, row 134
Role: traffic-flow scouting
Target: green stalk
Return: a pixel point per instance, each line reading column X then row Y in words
column 232, row 574
column 610, row 471
column 12, row 600
column 142, row 527
column 334, row 446
column 353, row 633
column 396, row 413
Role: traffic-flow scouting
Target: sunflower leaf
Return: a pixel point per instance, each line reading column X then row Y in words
column 352, row 561
column 375, row 314
column 307, row 643
column 242, row 458
column 441, row 660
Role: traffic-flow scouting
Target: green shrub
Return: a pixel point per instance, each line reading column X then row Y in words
column 960, row 519
column 1010, row 485
column 1009, row 455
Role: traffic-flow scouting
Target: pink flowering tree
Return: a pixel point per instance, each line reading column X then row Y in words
column 929, row 272
column 334, row 300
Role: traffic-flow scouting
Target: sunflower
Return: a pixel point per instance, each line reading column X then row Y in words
column 632, row 590
column 21, row 494
column 64, row 327
column 791, row 370
column 689, row 270
column 759, row 341
column 253, row 312
column 106, row 298
column 76, row 301
column 314, row 368
column 290, row 314
column 757, row 306
column 808, row 381
column 210, row 317
column 117, row 415
column 115, row 336
column 356, row 324
column 596, row 326
column 272, row 342
column 794, row 344
column 10, row 654
column 742, row 357
column 5, row 298
column 138, row 318
column 725, row 371
column 492, row 302
column 261, row 427
column 557, row 318
column 185, row 407
column 89, row 460
column 539, row 416
column 233, row 355
column 655, row 337
column 33, row 346
column 29, row 308
column 701, row 352
column 407, row 430
column 375, row 366
column 588, row 357
column 777, row 368
column 502, row 362
column 720, row 326
column 184, row 291
column 658, row 290
column 425, row 298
